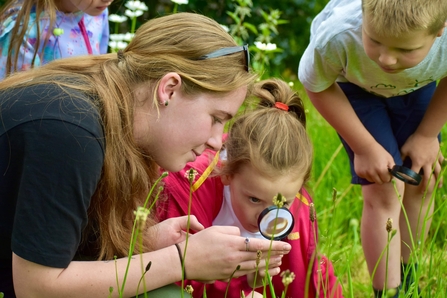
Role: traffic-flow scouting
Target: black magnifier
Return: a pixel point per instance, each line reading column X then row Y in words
column 284, row 222
column 405, row 174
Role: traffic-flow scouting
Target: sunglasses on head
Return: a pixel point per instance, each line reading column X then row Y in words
column 228, row 51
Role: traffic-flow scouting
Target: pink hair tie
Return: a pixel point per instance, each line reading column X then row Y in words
column 281, row 106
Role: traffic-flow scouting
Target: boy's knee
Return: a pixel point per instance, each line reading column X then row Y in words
column 382, row 195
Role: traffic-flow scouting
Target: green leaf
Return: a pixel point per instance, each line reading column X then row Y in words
column 251, row 27
column 234, row 17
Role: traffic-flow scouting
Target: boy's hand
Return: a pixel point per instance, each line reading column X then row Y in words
column 424, row 154
column 373, row 163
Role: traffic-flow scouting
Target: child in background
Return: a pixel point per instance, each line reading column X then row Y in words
column 266, row 152
column 371, row 69
column 35, row 32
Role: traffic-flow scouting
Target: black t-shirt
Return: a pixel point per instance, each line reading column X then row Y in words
column 51, row 157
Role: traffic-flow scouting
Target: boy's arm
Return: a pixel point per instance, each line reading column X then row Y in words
column 371, row 160
column 423, row 146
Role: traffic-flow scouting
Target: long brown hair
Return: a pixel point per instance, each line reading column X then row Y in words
column 171, row 43
column 23, row 8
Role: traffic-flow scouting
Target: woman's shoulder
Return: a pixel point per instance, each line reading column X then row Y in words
column 49, row 101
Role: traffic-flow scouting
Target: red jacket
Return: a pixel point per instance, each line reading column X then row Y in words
column 207, row 198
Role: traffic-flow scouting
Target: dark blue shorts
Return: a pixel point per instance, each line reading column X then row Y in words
column 389, row 120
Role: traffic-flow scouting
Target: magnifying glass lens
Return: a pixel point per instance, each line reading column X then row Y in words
column 405, row 174
column 275, row 222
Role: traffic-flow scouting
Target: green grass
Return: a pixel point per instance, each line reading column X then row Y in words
column 339, row 228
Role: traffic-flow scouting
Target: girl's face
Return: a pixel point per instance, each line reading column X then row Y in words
column 252, row 192
column 90, row 7
column 186, row 127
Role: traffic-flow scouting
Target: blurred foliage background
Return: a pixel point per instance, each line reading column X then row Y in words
column 292, row 37
column 292, row 34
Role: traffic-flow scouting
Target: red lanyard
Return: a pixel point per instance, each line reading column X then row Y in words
column 85, row 35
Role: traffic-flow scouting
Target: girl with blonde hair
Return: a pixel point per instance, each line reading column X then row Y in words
column 266, row 152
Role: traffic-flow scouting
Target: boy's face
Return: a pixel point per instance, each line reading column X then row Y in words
column 394, row 54
column 252, row 192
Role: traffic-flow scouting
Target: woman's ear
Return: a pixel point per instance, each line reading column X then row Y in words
column 226, row 179
column 169, row 85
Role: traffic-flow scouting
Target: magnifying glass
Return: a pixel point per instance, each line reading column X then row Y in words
column 282, row 217
column 405, row 174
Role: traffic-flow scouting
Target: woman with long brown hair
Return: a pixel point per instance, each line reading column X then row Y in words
column 82, row 141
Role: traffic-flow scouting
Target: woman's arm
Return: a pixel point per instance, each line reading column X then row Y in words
column 212, row 254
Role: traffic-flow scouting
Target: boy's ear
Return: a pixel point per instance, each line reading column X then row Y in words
column 169, row 85
column 226, row 179
column 442, row 30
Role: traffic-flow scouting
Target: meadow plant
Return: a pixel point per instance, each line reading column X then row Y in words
column 139, row 225
column 264, row 49
column 191, row 176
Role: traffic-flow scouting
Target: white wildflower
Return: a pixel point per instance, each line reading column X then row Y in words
column 117, row 18
column 136, row 5
column 180, row 1
column 128, row 36
column 133, row 14
column 225, row 28
column 265, row 47
column 117, row 37
column 120, row 45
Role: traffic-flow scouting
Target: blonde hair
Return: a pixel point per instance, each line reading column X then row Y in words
column 395, row 17
column 272, row 140
column 171, row 43
column 23, row 8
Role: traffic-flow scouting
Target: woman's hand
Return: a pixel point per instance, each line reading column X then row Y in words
column 216, row 252
column 260, row 276
column 254, row 294
column 172, row 230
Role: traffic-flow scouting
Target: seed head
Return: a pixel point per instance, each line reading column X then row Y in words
column 141, row 215
column 312, row 212
column 389, row 225
column 191, row 175
column 279, row 200
column 258, row 257
column 287, row 277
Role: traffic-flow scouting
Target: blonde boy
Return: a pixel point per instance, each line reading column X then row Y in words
column 371, row 69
